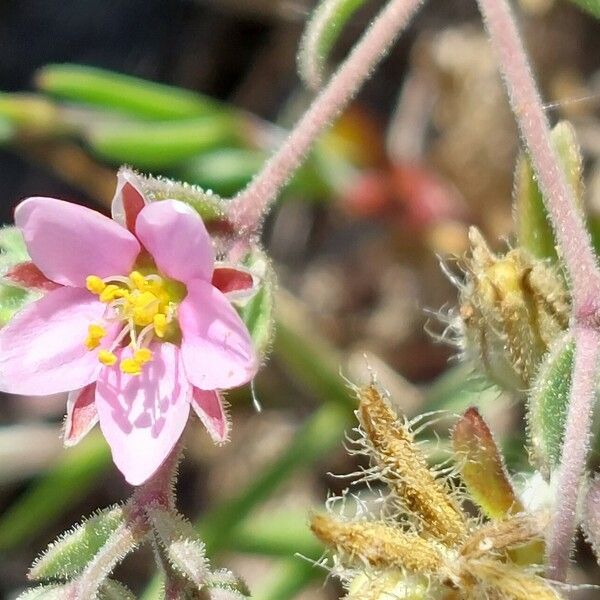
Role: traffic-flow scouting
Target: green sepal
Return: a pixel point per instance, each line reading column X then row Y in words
column 257, row 312
column 320, row 35
column 182, row 546
column 70, row 553
column 208, row 205
column 12, row 252
column 115, row 91
column 547, row 405
column 223, row 581
column 533, row 225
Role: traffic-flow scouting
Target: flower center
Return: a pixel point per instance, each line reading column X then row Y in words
column 146, row 304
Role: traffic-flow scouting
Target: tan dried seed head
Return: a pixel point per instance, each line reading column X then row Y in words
column 405, row 470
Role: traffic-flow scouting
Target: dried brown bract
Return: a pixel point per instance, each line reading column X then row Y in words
column 430, row 547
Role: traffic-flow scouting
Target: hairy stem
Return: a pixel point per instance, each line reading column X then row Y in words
column 247, row 208
column 575, row 450
column 572, row 236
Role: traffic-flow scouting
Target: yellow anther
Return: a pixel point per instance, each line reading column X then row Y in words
column 160, row 324
column 131, row 366
column 144, row 306
column 142, row 356
column 138, row 280
column 94, row 284
column 107, row 358
column 94, row 336
column 110, row 292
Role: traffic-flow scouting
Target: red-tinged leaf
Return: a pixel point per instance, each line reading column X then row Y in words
column 28, row 276
column 81, row 414
column 482, row 467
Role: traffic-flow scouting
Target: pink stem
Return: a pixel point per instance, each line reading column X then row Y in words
column 572, row 236
column 575, row 449
column 248, row 207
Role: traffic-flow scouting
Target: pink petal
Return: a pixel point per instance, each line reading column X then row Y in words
column 128, row 200
column 217, row 350
column 69, row 242
column 81, row 414
column 42, row 348
column 177, row 239
column 208, row 405
column 28, row 276
column 143, row 416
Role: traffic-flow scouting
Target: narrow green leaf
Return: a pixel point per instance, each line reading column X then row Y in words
column 287, row 579
column 591, row 6
column 533, row 226
column 67, row 481
column 164, row 144
column 132, row 95
column 321, row 33
column 547, row 405
column 225, row 171
column 71, row 553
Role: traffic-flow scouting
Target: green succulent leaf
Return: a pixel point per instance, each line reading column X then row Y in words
column 320, row 35
column 137, row 97
column 533, row 226
column 547, row 405
column 70, row 554
column 163, row 144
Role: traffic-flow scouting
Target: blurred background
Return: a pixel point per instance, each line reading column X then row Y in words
column 428, row 148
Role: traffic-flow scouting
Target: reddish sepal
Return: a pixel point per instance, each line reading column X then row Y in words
column 28, row 276
column 81, row 414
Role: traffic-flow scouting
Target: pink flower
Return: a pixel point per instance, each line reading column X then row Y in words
column 135, row 323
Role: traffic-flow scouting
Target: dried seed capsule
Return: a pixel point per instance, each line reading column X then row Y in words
column 405, row 470
column 377, row 544
column 512, row 308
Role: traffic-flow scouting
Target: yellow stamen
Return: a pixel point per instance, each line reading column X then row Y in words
column 144, row 307
column 130, row 366
column 94, row 337
column 160, row 324
column 110, row 292
column 138, row 280
column 107, row 358
column 142, row 356
column 94, row 284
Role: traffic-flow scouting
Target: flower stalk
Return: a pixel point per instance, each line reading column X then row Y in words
column 581, row 266
column 246, row 210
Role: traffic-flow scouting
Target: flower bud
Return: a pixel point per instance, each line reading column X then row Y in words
column 512, row 307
